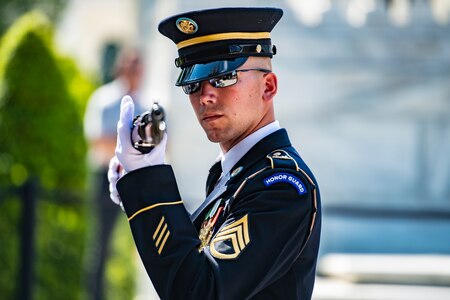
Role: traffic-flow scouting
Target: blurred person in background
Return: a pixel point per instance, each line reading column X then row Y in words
column 257, row 233
column 100, row 127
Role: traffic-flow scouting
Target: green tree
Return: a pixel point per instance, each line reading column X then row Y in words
column 41, row 137
column 40, row 124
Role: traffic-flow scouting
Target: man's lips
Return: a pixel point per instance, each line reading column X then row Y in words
column 211, row 117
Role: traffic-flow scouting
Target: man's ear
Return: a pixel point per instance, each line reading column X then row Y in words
column 270, row 86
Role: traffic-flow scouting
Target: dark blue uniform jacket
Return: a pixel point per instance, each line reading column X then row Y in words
column 263, row 236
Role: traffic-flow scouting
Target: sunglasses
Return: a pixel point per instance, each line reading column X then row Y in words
column 220, row 81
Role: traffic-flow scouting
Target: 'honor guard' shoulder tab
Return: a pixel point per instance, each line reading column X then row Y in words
column 282, row 159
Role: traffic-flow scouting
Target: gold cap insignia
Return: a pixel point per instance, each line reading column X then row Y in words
column 231, row 240
column 187, row 25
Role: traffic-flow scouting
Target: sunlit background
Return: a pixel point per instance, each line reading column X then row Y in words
column 364, row 91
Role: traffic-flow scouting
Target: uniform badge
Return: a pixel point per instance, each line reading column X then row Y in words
column 187, row 25
column 231, row 240
column 286, row 177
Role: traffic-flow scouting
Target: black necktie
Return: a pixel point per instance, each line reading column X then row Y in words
column 214, row 175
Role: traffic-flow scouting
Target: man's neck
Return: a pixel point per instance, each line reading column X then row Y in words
column 233, row 155
column 227, row 146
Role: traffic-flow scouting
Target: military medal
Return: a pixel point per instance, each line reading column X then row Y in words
column 207, row 228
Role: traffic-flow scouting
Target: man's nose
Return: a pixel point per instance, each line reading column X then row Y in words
column 208, row 93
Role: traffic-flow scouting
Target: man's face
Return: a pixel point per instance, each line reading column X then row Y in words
column 228, row 115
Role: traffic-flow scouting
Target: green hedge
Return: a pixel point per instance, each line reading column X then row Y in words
column 40, row 127
column 42, row 101
column 41, row 137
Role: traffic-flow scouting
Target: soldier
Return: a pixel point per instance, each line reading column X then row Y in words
column 257, row 233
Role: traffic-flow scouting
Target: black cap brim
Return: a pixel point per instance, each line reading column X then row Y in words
column 204, row 71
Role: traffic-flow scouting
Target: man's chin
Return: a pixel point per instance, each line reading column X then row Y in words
column 214, row 136
column 213, row 139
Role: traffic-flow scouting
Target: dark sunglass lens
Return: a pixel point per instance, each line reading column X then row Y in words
column 191, row 88
column 224, row 81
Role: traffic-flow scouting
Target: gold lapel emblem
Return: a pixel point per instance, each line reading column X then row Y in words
column 236, row 171
column 231, row 240
column 187, row 25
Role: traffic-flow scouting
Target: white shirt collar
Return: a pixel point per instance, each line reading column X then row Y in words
column 230, row 158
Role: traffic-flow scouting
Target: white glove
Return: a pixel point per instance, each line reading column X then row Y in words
column 115, row 172
column 130, row 158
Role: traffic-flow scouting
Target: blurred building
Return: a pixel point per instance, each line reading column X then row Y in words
column 365, row 94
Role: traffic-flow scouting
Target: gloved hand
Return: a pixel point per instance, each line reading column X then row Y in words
column 129, row 157
column 115, row 172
